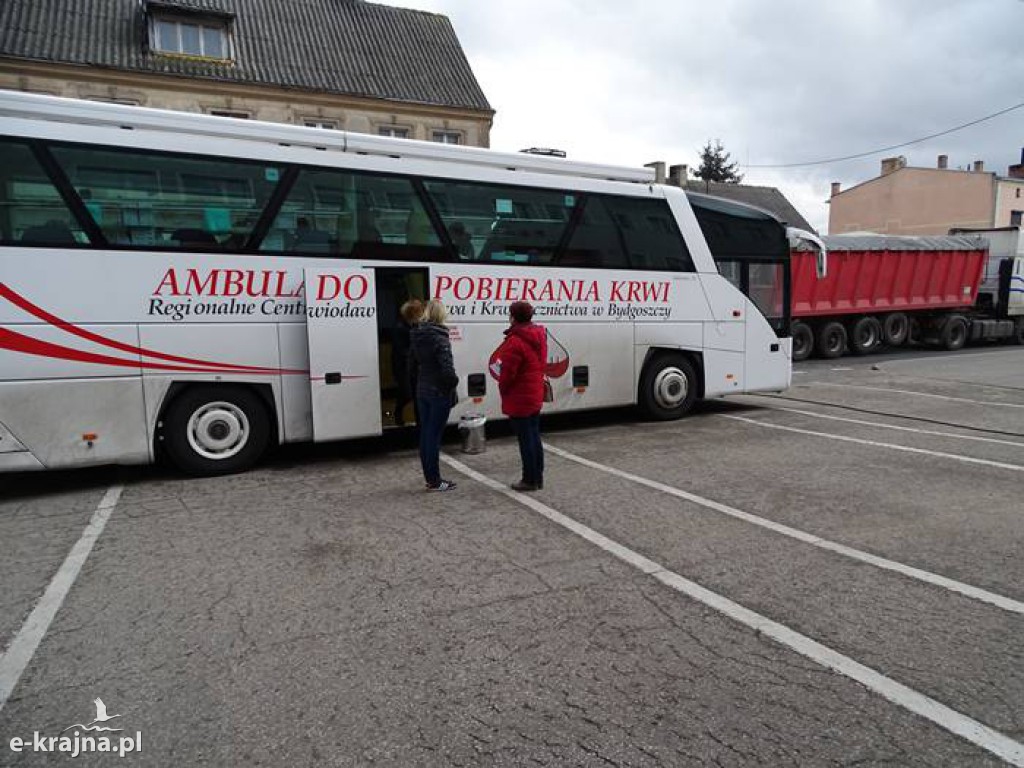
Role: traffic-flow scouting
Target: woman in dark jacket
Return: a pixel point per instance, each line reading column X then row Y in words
column 433, row 369
column 520, row 362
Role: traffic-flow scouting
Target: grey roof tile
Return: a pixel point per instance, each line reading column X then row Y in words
column 334, row 46
column 767, row 198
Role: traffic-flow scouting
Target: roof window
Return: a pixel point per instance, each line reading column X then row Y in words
column 183, row 31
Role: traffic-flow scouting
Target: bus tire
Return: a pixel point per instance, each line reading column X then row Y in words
column 895, row 329
column 668, row 387
column 831, row 340
column 215, row 430
column 954, row 333
column 803, row 340
column 865, row 335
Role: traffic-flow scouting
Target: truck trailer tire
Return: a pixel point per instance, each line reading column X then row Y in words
column 954, row 332
column 831, row 340
column 895, row 329
column 865, row 335
column 803, row 340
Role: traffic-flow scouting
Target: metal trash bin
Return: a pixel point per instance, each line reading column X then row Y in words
column 471, row 428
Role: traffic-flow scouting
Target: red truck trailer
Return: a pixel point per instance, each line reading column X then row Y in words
column 882, row 289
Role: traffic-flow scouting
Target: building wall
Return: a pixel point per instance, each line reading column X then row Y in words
column 259, row 103
column 915, row 201
column 1009, row 198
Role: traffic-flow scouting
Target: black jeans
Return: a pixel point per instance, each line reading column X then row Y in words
column 433, row 415
column 531, row 450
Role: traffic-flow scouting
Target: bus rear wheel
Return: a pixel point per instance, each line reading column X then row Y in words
column 215, row 430
column 668, row 387
column 803, row 341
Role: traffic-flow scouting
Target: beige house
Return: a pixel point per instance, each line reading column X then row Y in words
column 904, row 200
column 344, row 64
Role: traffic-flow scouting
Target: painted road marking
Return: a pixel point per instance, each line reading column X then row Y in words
column 815, row 415
column 945, row 717
column 911, row 392
column 23, row 647
column 876, row 444
column 1006, row 603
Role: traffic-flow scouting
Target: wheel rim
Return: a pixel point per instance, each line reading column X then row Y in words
column 218, row 430
column 957, row 334
column 867, row 336
column 801, row 342
column 834, row 341
column 670, row 388
column 898, row 329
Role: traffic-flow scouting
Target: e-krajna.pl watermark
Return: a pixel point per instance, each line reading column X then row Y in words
column 83, row 739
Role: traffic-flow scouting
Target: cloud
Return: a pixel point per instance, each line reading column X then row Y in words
column 781, row 82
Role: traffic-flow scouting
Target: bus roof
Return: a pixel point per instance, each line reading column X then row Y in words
column 79, row 112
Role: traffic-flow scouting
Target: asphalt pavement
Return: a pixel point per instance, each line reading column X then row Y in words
column 831, row 576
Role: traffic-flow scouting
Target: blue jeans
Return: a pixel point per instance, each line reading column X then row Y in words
column 433, row 415
column 531, row 450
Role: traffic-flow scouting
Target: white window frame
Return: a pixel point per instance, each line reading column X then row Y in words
column 223, row 26
column 392, row 131
column 442, row 136
column 316, row 122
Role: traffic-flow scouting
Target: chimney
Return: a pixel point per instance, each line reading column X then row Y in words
column 835, row 188
column 891, row 164
column 979, row 166
column 677, row 175
column 659, row 171
column 1017, row 171
column 943, row 162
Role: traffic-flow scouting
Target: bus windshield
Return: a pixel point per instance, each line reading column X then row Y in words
column 751, row 250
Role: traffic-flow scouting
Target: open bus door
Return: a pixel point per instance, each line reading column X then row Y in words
column 344, row 371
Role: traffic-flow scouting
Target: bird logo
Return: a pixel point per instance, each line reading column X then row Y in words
column 101, row 717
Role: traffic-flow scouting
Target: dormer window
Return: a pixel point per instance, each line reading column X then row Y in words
column 175, row 31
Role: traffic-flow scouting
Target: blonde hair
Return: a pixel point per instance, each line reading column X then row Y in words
column 435, row 312
column 412, row 311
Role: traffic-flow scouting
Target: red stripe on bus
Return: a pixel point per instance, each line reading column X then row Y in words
column 18, row 342
column 23, row 303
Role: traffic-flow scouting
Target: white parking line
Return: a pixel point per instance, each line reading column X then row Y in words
column 911, row 392
column 23, row 647
column 876, row 444
column 1006, row 603
column 945, row 717
column 816, row 415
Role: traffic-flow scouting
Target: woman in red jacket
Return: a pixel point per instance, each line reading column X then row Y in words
column 520, row 362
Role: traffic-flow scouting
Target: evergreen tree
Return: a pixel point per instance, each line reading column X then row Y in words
column 715, row 165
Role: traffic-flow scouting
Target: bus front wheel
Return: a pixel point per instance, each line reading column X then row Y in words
column 215, row 430
column 668, row 387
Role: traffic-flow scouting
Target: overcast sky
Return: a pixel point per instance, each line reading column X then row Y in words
column 785, row 81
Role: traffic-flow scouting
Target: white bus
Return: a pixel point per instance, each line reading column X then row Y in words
column 201, row 287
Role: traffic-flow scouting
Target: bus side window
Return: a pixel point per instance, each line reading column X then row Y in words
column 502, row 224
column 596, row 241
column 649, row 231
column 32, row 212
column 168, row 200
column 352, row 213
